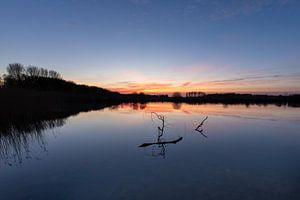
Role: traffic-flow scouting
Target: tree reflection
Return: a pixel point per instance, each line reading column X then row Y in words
column 22, row 130
column 159, row 147
column 176, row 106
column 20, row 139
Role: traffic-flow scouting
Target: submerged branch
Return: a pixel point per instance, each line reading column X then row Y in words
column 161, row 143
column 199, row 127
column 201, row 124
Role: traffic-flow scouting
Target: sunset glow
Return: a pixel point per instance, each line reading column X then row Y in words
column 159, row 47
column 273, row 84
column 149, row 99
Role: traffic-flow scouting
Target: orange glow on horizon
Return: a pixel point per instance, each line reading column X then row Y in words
column 209, row 109
column 275, row 85
column 208, row 90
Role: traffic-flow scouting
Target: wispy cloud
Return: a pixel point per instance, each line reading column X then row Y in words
column 262, row 83
column 219, row 9
column 186, row 84
column 72, row 23
column 246, row 78
column 130, row 87
column 139, row 2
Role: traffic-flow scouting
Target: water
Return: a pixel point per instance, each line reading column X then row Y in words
column 239, row 152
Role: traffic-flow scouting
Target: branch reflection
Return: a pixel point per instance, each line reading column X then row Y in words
column 159, row 147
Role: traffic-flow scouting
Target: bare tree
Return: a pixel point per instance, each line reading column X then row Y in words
column 195, row 94
column 54, row 74
column 15, row 71
column 43, row 72
column 32, row 71
column 1, row 81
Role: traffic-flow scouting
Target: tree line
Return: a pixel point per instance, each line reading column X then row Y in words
column 17, row 73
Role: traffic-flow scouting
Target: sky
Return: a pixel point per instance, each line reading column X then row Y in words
column 158, row 46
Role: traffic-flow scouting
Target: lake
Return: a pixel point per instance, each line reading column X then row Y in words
column 152, row 151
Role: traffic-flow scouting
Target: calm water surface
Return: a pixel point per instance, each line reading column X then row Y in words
column 238, row 153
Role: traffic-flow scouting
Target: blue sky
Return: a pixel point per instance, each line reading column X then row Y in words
column 158, row 45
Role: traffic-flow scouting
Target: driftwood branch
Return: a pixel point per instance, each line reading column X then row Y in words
column 201, row 124
column 160, row 117
column 161, row 143
column 199, row 127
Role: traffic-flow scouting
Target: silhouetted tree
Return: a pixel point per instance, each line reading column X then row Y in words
column 194, row 94
column 1, row 81
column 15, row 71
column 54, row 74
column 43, row 72
column 176, row 94
column 32, row 71
column 33, row 77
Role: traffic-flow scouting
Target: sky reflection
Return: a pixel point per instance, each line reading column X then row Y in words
column 96, row 155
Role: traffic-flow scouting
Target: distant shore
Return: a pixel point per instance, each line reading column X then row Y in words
column 27, row 91
column 20, row 103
